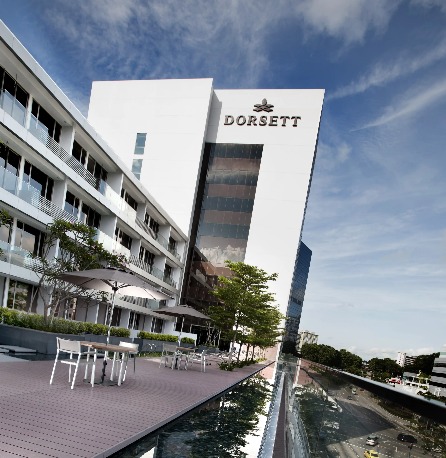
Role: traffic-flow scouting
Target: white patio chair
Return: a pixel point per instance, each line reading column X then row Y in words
column 133, row 353
column 199, row 358
column 73, row 347
column 169, row 352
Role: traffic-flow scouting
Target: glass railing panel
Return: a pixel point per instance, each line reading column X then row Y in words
column 345, row 415
column 158, row 273
column 8, row 180
column 13, row 107
column 170, row 281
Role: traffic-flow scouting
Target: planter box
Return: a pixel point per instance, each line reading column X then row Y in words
column 45, row 342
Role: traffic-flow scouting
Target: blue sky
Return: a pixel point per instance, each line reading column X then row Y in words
column 376, row 219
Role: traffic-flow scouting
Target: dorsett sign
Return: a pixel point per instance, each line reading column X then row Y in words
column 272, row 120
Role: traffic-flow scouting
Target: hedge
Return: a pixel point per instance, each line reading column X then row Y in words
column 153, row 336
column 56, row 325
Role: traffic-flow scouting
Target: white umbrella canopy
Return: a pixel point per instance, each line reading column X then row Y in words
column 182, row 311
column 113, row 280
column 110, row 280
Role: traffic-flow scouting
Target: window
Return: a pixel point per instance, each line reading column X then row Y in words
column 146, row 256
column 140, row 143
column 79, row 153
column 71, row 204
column 14, row 99
column 129, row 199
column 136, row 167
column 38, row 180
column 157, row 325
column 28, row 238
column 21, row 296
column 90, row 217
column 44, row 122
column 122, row 238
column 153, row 224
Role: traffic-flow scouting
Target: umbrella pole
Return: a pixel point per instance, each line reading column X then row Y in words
column 108, row 332
column 181, row 331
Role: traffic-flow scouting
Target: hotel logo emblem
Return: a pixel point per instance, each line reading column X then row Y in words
column 261, row 121
column 264, row 106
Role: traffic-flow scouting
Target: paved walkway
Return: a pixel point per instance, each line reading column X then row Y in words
column 40, row 420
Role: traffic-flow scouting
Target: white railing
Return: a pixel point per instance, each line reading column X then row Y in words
column 158, row 273
column 18, row 256
column 31, row 195
column 13, row 107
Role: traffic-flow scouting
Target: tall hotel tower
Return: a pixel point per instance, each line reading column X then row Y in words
column 233, row 168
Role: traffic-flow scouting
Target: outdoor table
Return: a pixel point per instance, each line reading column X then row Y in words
column 183, row 350
column 112, row 348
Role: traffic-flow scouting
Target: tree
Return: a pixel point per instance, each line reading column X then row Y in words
column 77, row 250
column 422, row 363
column 245, row 313
column 384, row 368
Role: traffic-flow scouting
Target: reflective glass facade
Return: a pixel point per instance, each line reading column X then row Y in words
column 297, row 293
column 227, row 201
column 222, row 217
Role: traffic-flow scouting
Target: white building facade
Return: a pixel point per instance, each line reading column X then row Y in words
column 53, row 164
column 232, row 167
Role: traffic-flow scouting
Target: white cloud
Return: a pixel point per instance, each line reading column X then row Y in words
column 347, row 20
column 431, row 4
column 382, row 74
column 410, row 105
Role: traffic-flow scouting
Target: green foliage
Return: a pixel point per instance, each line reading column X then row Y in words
column 222, row 428
column 384, row 368
column 78, row 250
column 422, row 363
column 153, row 336
column 289, row 347
column 245, row 313
column 187, row 340
column 119, row 332
column 56, row 325
column 329, row 356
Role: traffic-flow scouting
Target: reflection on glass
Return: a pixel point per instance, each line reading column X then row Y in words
column 219, row 429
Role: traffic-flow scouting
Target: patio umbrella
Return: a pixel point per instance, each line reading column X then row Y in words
column 182, row 311
column 111, row 280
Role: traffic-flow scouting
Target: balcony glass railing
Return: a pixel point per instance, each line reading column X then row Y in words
column 31, row 195
column 18, row 256
column 170, row 281
column 141, row 301
column 158, row 273
column 13, row 107
column 154, row 235
column 172, row 249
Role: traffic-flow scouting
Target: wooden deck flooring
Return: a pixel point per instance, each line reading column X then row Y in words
column 39, row 420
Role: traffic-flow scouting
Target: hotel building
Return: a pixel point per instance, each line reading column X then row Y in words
column 232, row 167
column 175, row 174
column 53, row 164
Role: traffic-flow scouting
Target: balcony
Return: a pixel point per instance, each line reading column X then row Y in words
column 13, row 107
column 152, row 270
column 169, row 280
column 18, row 256
column 172, row 249
column 155, row 236
column 10, row 183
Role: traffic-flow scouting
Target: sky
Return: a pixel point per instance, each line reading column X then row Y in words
column 376, row 216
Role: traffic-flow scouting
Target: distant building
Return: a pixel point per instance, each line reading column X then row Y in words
column 401, row 359
column 409, row 360
column 297, row 293
column 306, row 337
column 437, row 384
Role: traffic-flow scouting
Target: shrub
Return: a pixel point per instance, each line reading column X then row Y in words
column 187, row 340
column 226, row 366
column 56, row 325
column 153, row 336
column 120, row 332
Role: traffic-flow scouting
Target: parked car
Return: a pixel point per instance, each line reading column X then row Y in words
column 350, row 397
column 407, row 438
column 372, row 440
column 371, row 454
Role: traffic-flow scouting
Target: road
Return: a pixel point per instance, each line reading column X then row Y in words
column 345, row 430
